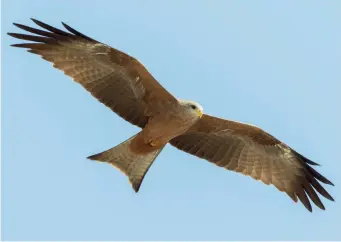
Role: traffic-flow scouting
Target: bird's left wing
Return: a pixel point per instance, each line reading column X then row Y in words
column 116, row 79
column 251, row 151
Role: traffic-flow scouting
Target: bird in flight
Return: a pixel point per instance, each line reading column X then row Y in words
column 123, row 84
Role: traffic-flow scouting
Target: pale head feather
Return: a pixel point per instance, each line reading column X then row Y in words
column 193, row 106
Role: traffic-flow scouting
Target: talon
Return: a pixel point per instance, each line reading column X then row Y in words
column 153, row 143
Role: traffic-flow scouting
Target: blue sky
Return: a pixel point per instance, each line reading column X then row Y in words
column 275, row 64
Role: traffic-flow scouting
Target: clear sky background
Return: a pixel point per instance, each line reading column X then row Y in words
column 275, row 64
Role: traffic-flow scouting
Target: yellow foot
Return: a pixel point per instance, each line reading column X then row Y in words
column 153, row 143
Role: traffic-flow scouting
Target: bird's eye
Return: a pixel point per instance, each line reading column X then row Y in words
column 193, row 107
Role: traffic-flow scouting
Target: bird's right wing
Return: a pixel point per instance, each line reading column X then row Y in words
column 116, row 79
column 249, row 150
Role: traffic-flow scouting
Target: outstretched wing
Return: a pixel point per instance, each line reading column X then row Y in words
column 251, row 151
column 116, row 79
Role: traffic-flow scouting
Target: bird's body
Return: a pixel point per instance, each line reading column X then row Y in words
column 171, row 122
column 124, row 85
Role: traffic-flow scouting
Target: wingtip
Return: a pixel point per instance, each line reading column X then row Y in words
column 328, row 196
column 320, row 205
column 65, row 25
column 14, row 35
column 36, row 21
column 310, row 162
column 326, row 181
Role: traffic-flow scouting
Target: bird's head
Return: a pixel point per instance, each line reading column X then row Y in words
column 192, row 107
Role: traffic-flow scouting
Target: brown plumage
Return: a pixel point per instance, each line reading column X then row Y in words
column 124, row 85
column 100, row 69
column 251, row 151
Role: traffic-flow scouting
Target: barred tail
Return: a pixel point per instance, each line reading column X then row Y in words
column 133, row 165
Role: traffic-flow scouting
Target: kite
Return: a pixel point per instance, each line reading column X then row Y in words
column 123, row 84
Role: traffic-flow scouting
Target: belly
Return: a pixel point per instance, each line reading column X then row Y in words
column 161, row 129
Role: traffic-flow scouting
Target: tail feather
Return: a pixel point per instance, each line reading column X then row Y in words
column 133, row 165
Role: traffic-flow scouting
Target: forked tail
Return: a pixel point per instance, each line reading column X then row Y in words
column 133, row 165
